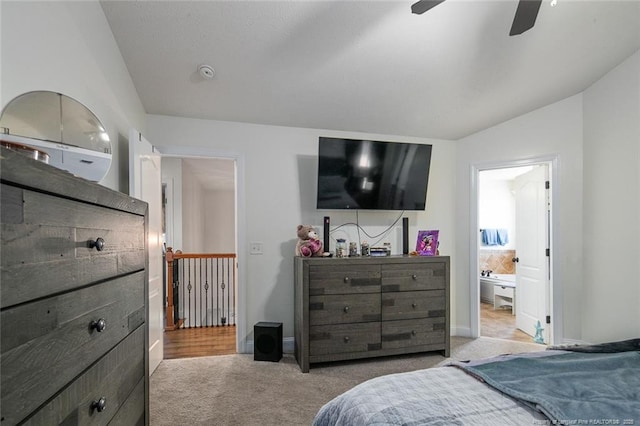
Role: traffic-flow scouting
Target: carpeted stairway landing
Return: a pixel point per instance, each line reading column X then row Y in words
column 236, row 390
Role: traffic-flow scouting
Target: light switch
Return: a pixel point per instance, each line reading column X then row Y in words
column 255, row 247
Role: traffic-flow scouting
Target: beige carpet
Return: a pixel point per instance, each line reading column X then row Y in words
column 236, row 390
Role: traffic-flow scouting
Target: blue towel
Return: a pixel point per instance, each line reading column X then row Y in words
column 503, row 236
column 495, row 237
column 490, row 237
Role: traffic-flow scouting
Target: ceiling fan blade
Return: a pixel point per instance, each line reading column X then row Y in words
column 526, row 15
column 423, row 5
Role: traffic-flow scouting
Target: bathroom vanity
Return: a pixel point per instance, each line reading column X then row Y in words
column 499, row 289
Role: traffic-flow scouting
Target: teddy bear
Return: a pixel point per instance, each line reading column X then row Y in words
column 308, row 243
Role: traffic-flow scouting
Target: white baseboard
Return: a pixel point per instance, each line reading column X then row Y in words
column 288, row 345
column 461, row 331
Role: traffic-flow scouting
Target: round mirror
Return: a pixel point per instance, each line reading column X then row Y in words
column 61, row 127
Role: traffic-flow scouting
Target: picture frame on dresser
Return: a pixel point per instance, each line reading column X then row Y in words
column 427, row 243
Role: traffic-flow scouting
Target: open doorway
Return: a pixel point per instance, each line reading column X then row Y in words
column 200, row 199
column 513, row 252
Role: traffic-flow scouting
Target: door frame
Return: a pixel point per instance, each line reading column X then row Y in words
column 241, row 220
column 556, row 302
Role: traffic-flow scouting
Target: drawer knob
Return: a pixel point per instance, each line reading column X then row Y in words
column 346, row 339
column 414, row 305
column 413, row 332
column 346, row 309
column 346, row 279
column 414, row 276
column 98, row 244
column 99, row 325
column 99, row 405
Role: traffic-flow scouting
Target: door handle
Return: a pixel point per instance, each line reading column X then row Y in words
column 515, row 259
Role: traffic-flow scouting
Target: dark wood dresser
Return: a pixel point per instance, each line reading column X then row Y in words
column 73, row 299
column 366, row 307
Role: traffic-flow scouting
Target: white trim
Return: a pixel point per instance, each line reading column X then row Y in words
column 556, row 287
column 461, row 332
column 241, row 225
column 169, row 211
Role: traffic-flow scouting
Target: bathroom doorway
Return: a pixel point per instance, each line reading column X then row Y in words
column 514, row 278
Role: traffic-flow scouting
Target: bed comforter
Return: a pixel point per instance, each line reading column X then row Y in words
column 550, row 387
column 435, row 396
column 569, row 387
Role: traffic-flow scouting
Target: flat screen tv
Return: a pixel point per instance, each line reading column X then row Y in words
column 372, row 175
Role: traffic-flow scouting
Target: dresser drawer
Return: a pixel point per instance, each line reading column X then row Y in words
column 117, row 378
column 414, row 276
column 45, row 244
column 413, row 304
column 402, row 334
column 343, row 279
column 133, row 410
column 344, row 338
column 47, row 343
column 338, row 309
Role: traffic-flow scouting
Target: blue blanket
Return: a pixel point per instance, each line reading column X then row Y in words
column 570, row 388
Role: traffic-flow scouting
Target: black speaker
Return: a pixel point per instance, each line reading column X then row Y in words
column 326, row 234
column 267, row 341
column 405, row 235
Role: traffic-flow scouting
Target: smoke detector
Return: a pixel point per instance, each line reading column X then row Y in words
column 206, row 71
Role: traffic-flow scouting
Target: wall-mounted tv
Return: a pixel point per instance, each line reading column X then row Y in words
column 372, row 175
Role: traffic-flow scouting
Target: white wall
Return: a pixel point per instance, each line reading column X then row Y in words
column 68, row 47
column 220, row 221
column 193, row 213
column 212, row 210
column 279, row 166
column 172, row 176
column 611, row 226
column 497, row 209
column 555, row 130
column 598, row 213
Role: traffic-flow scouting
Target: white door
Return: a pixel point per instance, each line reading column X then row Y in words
column 532, row 267
column 145, row 183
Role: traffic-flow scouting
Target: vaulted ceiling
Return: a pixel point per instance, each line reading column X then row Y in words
column 369, row 66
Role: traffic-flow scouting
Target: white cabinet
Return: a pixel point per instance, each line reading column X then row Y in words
column 504, row 294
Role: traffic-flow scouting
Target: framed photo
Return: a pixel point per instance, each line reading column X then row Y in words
column 427, row 244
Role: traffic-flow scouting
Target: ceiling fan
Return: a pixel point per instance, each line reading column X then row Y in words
column 524, row 19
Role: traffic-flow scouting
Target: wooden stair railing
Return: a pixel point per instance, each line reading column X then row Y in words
column 174, row 284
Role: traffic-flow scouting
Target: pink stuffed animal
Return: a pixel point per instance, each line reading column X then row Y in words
column 308, row 243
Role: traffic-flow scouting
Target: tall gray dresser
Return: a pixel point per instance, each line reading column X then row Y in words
column 366, row 307
column 73, row 299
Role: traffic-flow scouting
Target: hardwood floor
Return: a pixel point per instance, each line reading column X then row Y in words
column 195, row 342
column 501, row 324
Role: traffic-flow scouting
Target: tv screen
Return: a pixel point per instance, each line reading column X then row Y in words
column 372, row 175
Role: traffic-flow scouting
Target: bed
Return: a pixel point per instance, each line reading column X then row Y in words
column 594, row 384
